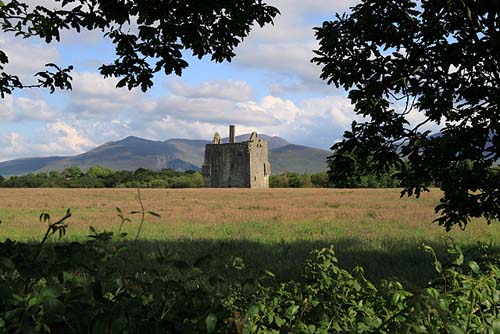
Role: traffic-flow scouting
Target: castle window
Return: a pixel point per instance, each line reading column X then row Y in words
column 255, row 178
column 232, row 164
column 240, row 153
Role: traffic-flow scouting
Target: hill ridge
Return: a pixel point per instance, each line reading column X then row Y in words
column 180, row 154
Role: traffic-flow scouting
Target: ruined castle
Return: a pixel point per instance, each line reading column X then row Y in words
column 236, row 165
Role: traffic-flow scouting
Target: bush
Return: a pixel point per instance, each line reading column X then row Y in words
column 85, row 287
column 464, row 298
column 158, row 183
column 320, row 180
column 85, row 182
column 278, row 181
column 290, row 180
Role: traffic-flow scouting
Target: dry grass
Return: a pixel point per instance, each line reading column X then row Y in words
column 263, row 215
column 271, row 229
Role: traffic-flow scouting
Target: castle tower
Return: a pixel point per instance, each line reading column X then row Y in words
column 237, row 165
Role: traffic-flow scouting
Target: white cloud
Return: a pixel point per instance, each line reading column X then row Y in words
column 125, row 124
column 213, row 110
column 34, row 109
column 315, row 121
column 7, row 112
column 292, row 59
column 55, row 139
column 95, row 97
column 231, row 102
column 93, row 84
column 27, row 57
column 299, row 7
column 25, row 109
column 337, row 109
column 287, row 47
column 14, row 139
column 221, row 89
column 46, row 3
column 170, row 127
column 14, row 145
column 70, row 137
column 297, row 19
column 284, row 111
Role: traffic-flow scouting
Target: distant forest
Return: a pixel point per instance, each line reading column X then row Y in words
column 100, row 177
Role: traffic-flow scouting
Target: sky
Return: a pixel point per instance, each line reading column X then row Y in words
column 270, row 87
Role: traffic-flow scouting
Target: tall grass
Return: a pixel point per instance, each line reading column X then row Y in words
column 269, row 229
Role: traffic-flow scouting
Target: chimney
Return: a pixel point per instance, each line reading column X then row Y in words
column 231, row 133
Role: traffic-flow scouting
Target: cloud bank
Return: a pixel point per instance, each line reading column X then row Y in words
column 271, row 87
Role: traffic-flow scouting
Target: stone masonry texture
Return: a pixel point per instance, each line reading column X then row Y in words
column 237, row 165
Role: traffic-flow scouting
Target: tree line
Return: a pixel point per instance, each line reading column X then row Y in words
column 101, row 177
column 324, row 180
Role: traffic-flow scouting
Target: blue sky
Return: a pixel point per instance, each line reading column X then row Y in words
column 270, row 87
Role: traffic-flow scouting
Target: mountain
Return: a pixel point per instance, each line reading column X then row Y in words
column 178, row 154
column 191, row 151
column 25, row 165
column 272, row 142
column 127, row 154
column 297, row 158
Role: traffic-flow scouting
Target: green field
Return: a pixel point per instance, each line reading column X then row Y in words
column 269, row 229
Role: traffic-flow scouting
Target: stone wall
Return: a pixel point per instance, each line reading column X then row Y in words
column 260, row 169
column 229, row 166
column 237, row 165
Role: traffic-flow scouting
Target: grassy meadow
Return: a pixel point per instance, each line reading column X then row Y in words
column 271, row 229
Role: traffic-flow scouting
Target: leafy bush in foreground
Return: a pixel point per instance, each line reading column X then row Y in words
column 463, row 299
column 88, row 287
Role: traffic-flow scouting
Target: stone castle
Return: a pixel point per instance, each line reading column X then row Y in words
column 236, row 165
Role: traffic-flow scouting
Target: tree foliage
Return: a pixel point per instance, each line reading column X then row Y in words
column 149, row 36
column 99, row 172
column 437, row 61
column 72, row 172
column 101, row 177
column 322, row 180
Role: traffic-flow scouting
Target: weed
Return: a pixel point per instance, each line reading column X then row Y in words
column 331, row 205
